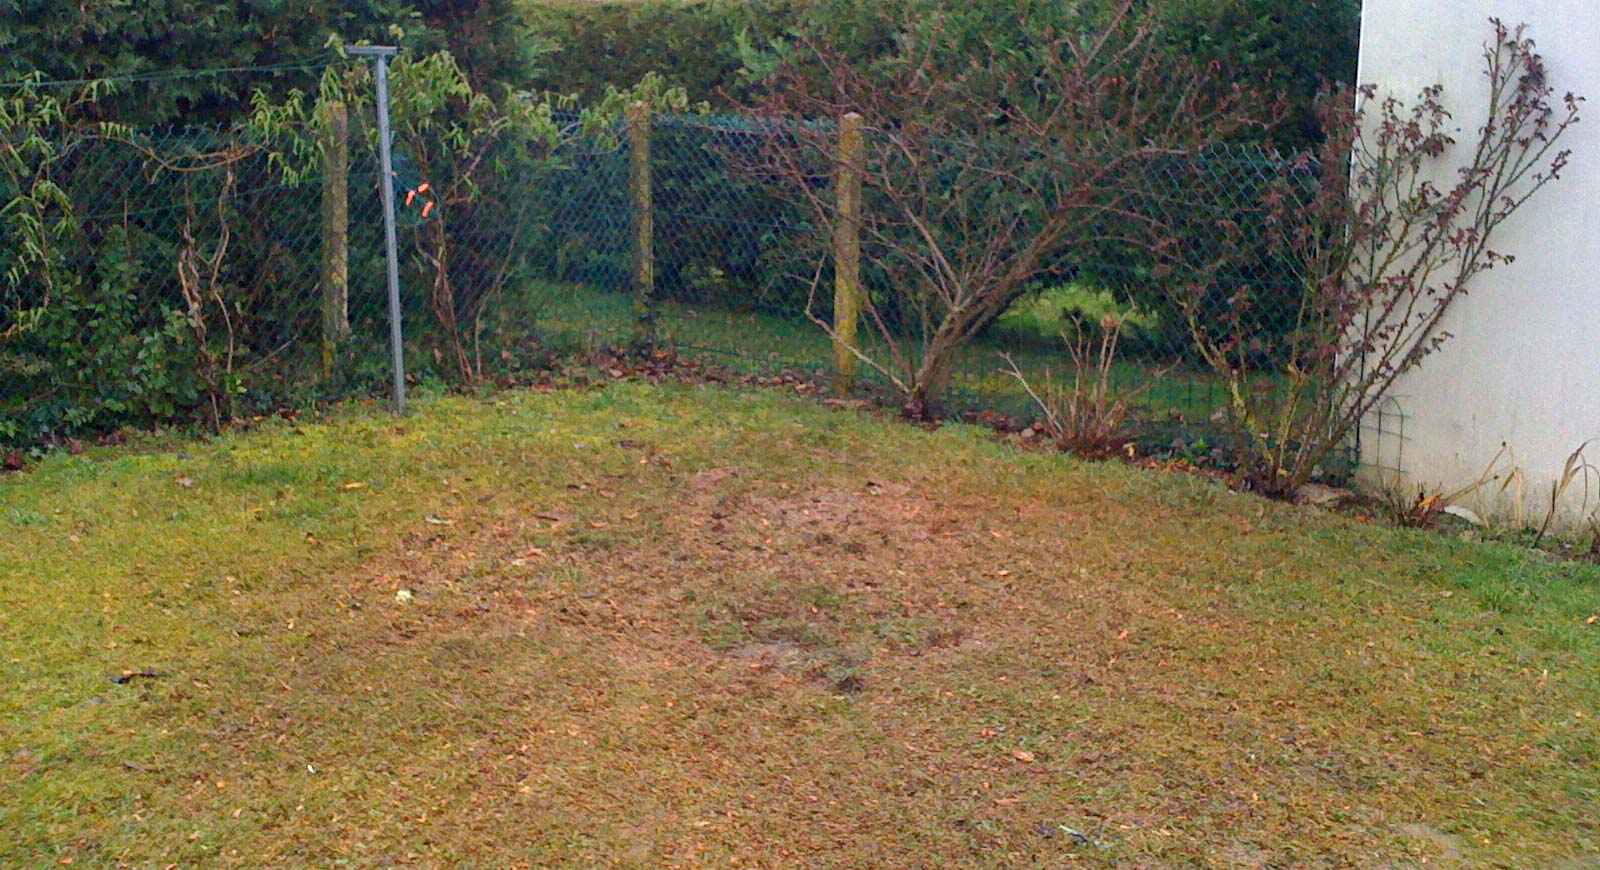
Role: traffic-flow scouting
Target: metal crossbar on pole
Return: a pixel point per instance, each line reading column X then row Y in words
column 380, row 56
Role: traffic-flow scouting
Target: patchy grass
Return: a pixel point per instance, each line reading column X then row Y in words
column 686, row 627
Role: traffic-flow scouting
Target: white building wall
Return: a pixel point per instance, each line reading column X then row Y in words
column 1523, row 370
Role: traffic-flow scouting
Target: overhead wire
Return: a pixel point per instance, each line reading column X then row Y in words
column 304, row 65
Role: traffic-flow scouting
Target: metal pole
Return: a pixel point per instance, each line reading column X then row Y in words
column 381, row 55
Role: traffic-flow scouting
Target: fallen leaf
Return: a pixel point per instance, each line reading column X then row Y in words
column 185, row 481
column 1023, row 756
column 129, row 676
column 349, row 486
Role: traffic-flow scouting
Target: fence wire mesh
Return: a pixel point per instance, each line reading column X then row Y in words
column 180, row 285
column 743, row 274
column 176, row 274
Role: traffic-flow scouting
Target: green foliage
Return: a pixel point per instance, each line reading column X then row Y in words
column 700, row 47
column 1275, row 47
column 883, row 37
column 491, row 40
column 74, row 342
column 1289, row 47
column 96, row 354
column 723, row 50
column 168, row 275
column 148, row 40
column 1055, row 310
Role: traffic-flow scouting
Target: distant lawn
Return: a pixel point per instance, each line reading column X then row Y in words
column 766, row 340
column 686, row 627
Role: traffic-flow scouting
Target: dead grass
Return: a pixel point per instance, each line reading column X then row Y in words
column 681, row 627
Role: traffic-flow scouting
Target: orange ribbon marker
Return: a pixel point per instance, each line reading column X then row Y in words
column 427, row 201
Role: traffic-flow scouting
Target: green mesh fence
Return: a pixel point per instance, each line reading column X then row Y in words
column 182, row 289
column 737, row 263
column 181, row 282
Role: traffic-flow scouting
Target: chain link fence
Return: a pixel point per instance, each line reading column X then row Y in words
column 188, row 276
column 180, row 275
column 742, row 275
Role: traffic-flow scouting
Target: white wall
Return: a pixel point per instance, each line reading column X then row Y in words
column 1524, row 367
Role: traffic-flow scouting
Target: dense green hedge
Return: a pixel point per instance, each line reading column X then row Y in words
column 716, row 49
column 1289, row 47
column 150, row 39
column 712, row 48
column 698, row 46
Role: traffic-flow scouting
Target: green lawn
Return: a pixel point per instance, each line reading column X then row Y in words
column 765, row 340
column 679, row 626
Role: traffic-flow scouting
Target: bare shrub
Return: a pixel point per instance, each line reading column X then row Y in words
column 1088, row 415
column 1381, row 251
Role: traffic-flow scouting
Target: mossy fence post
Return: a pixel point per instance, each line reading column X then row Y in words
column 847, row 293
column 644, row 224
column 335, row 233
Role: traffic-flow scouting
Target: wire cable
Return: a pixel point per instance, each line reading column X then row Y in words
column 173, row 75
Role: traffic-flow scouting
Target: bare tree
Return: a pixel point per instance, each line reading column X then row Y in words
column 991, row 151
